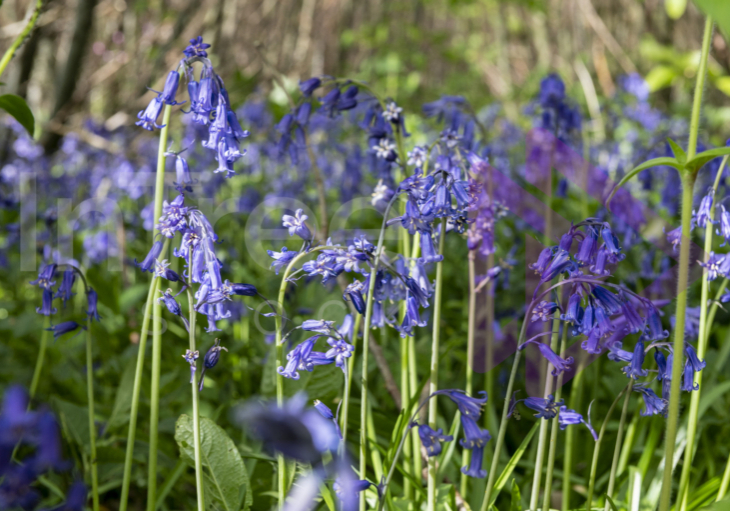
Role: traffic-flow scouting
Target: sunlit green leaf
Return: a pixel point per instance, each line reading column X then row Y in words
column 18, row 108
column 720, row 12
column 656, row 162
column 679, row 153
column 701, row 159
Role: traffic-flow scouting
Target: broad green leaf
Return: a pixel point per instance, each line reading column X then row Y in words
column 655, row 162
column 719, row 10
column 225, row 474
column 123, row 401
column 699, row 160
column 516, row 504
column 679, row 153
column 610, row 503
column 327, row 497
column 74, row 421
column 18, row 108
column 512, row 463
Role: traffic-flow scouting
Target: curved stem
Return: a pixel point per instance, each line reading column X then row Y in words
column 157, row 325
column 575, row 400
column 597, row 448
column 10, row 52
column 196, row 409
column 617, row 448
column 694, row 124
column 92, row 423
column 433, row 386
column 469, row 387
column 348, row 381
column 703, row 336
column 554, row 427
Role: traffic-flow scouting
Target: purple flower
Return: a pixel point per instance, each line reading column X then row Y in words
column 196, row 48
column 148, row 117
column 190, row 357
column 45, row 277
column 340, row 351
column 654, row 405
column 91, row 302
column 569, row 417
column 559, row 364
column 210, row 360
column 724, row 221
column 281, row 259
column 296, row 225
column 65, row 290
column 431, row 440
column 713, row 266
column 64, row 328
column 616, row 354
column 574, row 313
column 693, row 359
column 545, row 408
column 149, row 261
column 309, row 86
column 688, row 378
column 634, row 369
column 318, row 325
column 544, row 311
column 704, row 213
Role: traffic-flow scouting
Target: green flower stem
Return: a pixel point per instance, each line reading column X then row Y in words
column 554, row 427
column 92, row 424
column 469, row 387
column 617, row 448
column 134, row 410
column 157, row 325
column 10, row 52
column 703, row 336
column 39, row 360
column 279, row 352
column 575, row 400
column 405, row 405
column 413, row 384
column 433, row 385
column 542, row 439
column 678, row 349
column 196, row 409
column 348, row 381
column 597, row 448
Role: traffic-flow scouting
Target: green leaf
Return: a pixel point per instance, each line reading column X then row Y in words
column 660, row 77
column 710, row 396
column 610, row 503
column 74, row 421
column 699, row 160
column 679, row 153
column 655, row 162
column 512, row 463
column 123, row 401
column 327, row 497
column 722, row 505
column 516, row 504
column 18, row 108
column 226, row 479
column 719, row 10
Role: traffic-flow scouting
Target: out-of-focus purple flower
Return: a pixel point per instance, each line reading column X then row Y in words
column 559, row 364
column 64, row 328
column 569, row 417
column 431, row 440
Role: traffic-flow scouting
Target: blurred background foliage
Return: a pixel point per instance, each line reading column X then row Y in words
column 95, row 57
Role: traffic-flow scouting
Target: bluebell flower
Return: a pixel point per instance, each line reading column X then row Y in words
column 603, row 325
column 574, row 312
column 417, row 157
column 348, row 100
column 611, row 242
column 148, row 263
column 325, row 412
column 442, row 200
column 654, row 330
column 340, row 351
column 210, row 360
column 688, row 378
column 309, row 86
column 713, row 266
column 475, row 439
column 196, row 48
column 162, row 269
column 281, row 259
column 599, row 268
column 634, row 369
column 65, row 290
column 588, row 248
column 64, row 328
column 296, row 225
column 354, row 292
column 693, row 359
column 559, row 364
column 431, row 440
column 634, row 322
column 661, row 363
column 593, row 343
column 559, row 264
column 45, row 277
column 297, row 432
column 239, row 289
column 675, row 237
column 191, row 357
column 92, row 300
column 552, row 91
column 545, row 408
column 704, row 212
column 172, row 305
column 148, row 116
column 303, row 358
column 569, row 417
column 468, row 406
column 654, row 405
column 606, row 299
column 47, row 308
column 428, row 250
column 171, row 83
column 318, row 325
column 412, row 317
column 385, row 149
column 544, row 311
column 724, row 222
